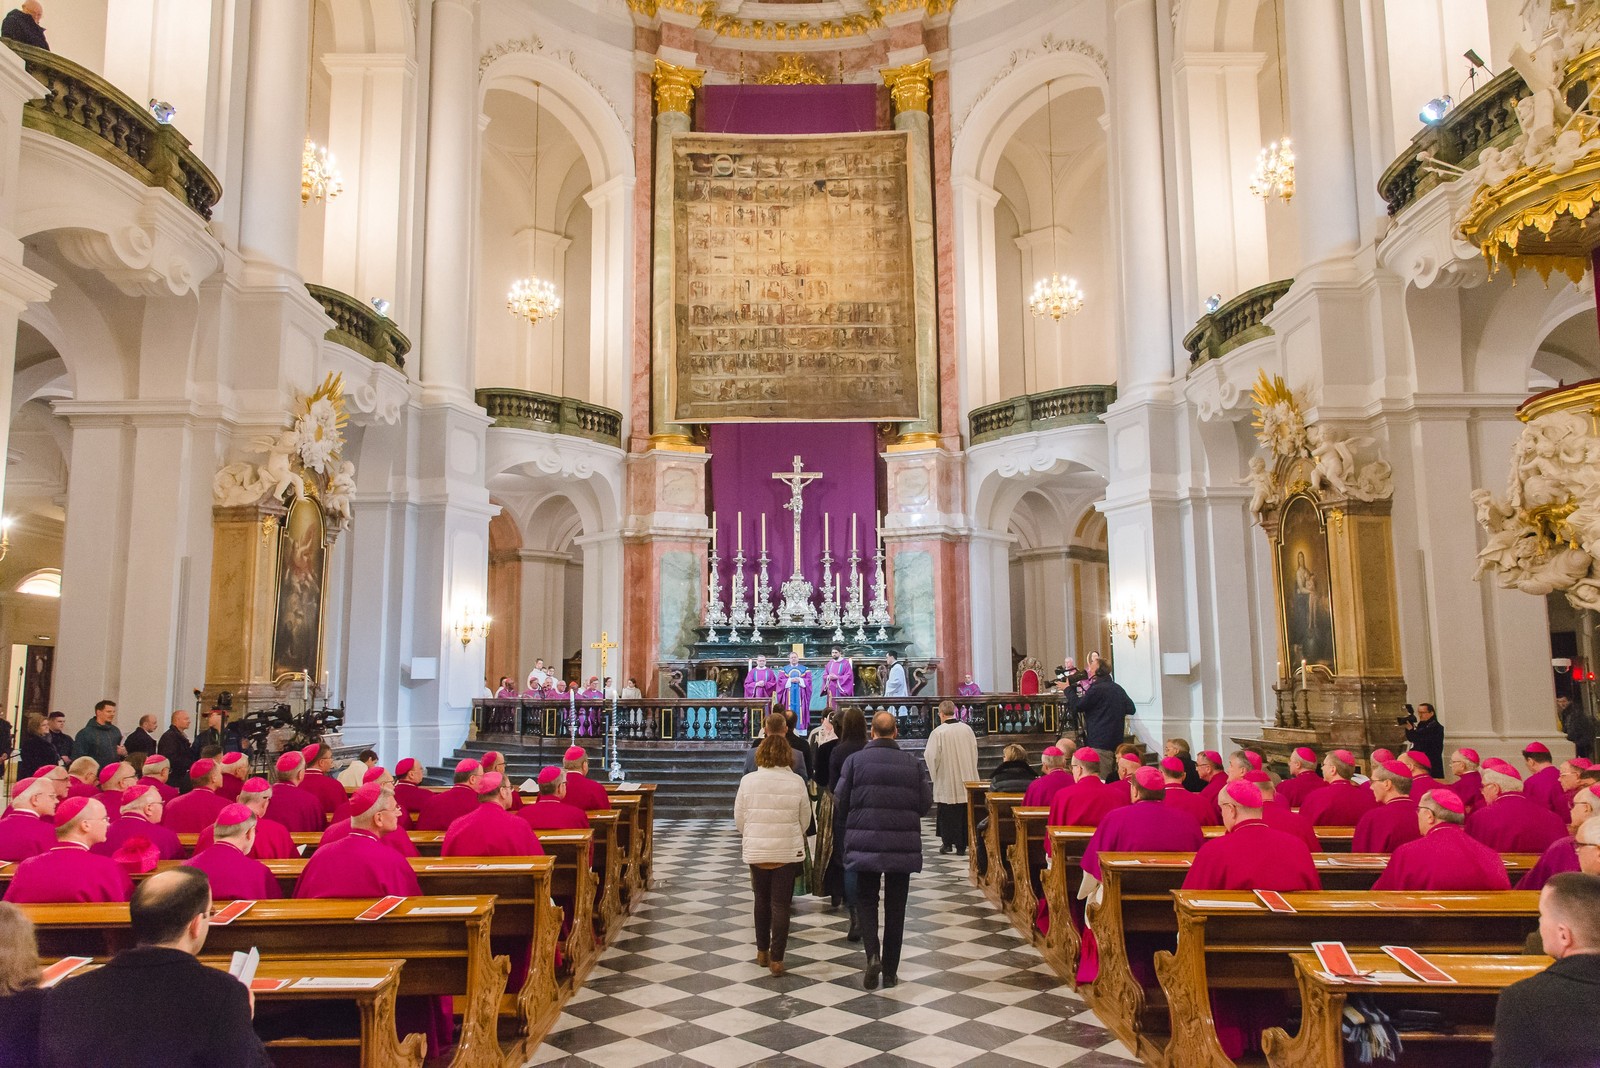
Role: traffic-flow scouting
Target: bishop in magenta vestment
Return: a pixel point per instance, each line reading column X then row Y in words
column 68, row 873
column 1445, row 858
column 235, row 876
column 1514, row 824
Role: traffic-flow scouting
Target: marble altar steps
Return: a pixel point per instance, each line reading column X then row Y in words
column 693, row 780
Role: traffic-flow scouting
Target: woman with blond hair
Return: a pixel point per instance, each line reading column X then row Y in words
column 21, row 1000
column 772, row 810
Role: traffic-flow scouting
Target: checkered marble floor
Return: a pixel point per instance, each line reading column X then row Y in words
column 681, row 987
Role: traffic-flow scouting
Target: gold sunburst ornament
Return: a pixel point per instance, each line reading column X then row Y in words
column 1280, row 425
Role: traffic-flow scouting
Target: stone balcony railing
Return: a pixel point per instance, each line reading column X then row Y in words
column 1233, row 324
column 1040, row 411
column 358, row 326
column 523, row 409
column 1486, row 118
column 84, row 109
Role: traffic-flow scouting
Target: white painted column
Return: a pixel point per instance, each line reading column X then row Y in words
column 610, row 292
column 602, row 599
column 1138, row 181
column 544, row 585
column 980, row 293
column 365, row 250
column 446, row 364
column 1046, row 588
column 1324, row 142
column 989, row 562
column 275, row 102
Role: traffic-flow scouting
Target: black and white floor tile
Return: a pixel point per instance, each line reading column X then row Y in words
column 681, row 987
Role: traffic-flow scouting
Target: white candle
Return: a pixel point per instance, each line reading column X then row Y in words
column 877, row 532
column 852, row 533
column 825, row 521
column 738, row 530
column 1305, row 682
column 838, row 587
column 763, row 532
column 713, row 530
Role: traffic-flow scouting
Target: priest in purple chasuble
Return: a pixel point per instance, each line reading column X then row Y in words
column 68, row 872
column 760, row 681
column 235, row 875
column 794, row 694
column 1509, row 822
column 838, row 677
column 1562, row 854
column 28, row 828
column 1148, row 825
column 1341, row 803
column 593, row 691
column 1251, row 856
column 360, row 865
column 1444, row 858
column 968, row 688
column 1394, row 822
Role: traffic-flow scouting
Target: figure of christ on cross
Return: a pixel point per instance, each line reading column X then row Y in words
column 796, row 480
column 796, row 606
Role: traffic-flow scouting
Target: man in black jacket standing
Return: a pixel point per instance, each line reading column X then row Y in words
column 1105, row 709
column 1547, row 1021
column 175, row 746
column 196, row 1014
column 882, row 795
column 22, row 25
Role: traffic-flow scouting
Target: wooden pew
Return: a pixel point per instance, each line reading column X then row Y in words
column 629, row 843
column 1027, row 868
column 639, row 873
column 1228, row 941
column 997, row 837
column 977, row 859
column 1137, row 897
column 444, row 954
column 1469, row 1003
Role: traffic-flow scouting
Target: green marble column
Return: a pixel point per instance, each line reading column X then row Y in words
column 910, row 87
column 675, row 88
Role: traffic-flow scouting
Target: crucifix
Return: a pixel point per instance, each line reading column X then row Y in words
column 604, row 645
column 796, row 480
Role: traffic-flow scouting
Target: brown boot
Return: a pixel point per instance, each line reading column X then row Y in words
column 777, row 967
column 762, row 958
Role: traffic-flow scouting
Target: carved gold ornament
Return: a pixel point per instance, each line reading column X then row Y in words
column 1279, row 423
column 675, row 86
column 793, row 70
column 855, row 18
column 910, row 85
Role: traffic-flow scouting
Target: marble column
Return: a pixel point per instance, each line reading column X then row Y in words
column 988, row 555
column 446, row 358
column 910, row 87
column 544, row 588
column 980, row 292
column 602, row 601
column 610, row 206
column 675, row 88
column 1138, row 181
column 274, row 136
column 1050, row 597
column 1320, row 105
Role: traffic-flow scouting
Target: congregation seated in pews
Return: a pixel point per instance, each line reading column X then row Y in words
column 1193, row 943
column 558, row 897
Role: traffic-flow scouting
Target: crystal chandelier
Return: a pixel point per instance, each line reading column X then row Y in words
column 533, row 298
column 1054, row 296
column 319, row 174
column 1274, row 173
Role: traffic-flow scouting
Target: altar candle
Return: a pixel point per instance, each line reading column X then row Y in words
column 713, row 530
column 838, row 587
column 824, row 531
column 738, row 530
column 852, row 533
column 1305, row 683
column 877, row 532
column 763, row 532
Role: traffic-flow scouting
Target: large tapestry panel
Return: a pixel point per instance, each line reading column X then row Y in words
column 793, row 293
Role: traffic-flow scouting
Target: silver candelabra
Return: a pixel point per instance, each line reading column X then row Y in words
column 763, row 609
column 853, row 615
column 738, row 607
column 878, row 616
column 716, row 615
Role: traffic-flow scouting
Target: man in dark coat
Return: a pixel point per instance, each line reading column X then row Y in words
column 882, row 795
column 174, row 745
column 142, row 739
column 22, row 25
column 1104, row 711
column 201, row 1015
column 1545, row 1021
column 58, row 737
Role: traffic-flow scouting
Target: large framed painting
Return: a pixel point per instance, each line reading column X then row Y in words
column 302, row 568
column 1305, row 592
column 793, row 291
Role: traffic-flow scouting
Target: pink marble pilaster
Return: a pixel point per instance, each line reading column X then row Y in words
column 945, row 255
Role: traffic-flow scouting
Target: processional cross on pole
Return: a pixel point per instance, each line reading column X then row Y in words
column 605, row 645
column 796, row 606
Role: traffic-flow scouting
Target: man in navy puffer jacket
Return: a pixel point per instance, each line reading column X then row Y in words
column 882, row 795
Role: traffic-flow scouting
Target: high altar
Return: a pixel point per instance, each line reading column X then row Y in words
column 801, row 379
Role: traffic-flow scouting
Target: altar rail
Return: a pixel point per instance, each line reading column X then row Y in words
column 727, row 719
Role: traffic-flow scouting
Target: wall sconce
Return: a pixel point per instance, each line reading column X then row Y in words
column 5, row 536
column 1127, row 621
column 472, row 625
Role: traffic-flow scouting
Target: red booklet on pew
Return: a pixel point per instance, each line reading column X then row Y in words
column 1336, row 962
column 1274, row 901
column 381, row 908
column 232, row 912
column 1418, row 965
column 61, row 969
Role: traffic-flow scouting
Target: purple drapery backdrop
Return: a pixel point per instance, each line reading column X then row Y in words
column 788, row 109
column 744, row 457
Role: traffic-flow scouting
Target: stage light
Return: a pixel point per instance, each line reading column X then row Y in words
column 1434, row 111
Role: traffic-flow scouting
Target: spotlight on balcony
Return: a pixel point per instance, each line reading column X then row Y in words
column 163, row 111
column 380, row 306
column 1434, row 111
column 1213, row 302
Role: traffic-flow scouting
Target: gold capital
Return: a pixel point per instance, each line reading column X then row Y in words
column 675, row 86
column 910, row 85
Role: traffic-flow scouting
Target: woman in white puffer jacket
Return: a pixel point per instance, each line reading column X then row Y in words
column 772, row 811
